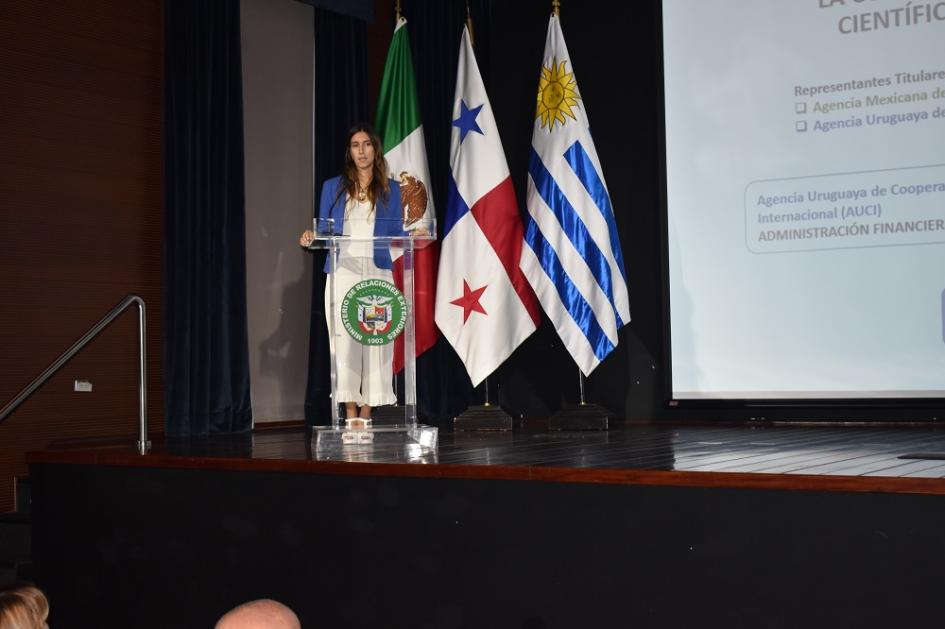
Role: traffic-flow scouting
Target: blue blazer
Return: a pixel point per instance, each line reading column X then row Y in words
column 332, row 205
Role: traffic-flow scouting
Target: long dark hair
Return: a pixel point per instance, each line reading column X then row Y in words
column 379, row 188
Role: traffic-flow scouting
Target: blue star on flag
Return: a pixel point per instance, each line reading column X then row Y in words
column 467, row 120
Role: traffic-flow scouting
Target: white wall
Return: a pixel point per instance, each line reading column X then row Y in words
column 277, row 50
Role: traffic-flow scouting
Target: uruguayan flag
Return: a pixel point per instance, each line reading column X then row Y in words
column 572, row 252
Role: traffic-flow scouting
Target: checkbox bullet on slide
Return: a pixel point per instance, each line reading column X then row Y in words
column 800, row 108
column 801, row 125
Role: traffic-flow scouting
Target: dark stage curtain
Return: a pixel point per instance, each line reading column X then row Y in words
column 205, row 328
column 340, row 102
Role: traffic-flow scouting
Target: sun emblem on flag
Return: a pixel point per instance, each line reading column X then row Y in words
column 557, row 94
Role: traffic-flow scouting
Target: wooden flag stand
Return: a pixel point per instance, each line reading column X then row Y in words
column 483, row 417
column 581, row 416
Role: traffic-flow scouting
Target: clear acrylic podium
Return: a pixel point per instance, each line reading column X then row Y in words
column 365, row 313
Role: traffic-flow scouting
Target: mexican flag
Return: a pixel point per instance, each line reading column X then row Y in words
column 398, row 123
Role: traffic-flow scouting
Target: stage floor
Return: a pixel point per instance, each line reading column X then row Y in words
column 899, row 458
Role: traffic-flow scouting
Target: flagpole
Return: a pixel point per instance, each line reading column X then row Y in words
column 485, row 416
column 469, row 24
column 395, row 413
column 584, row 416
column 561, row 105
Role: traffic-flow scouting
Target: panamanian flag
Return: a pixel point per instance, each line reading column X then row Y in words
column 572, row 254
column 484, row 305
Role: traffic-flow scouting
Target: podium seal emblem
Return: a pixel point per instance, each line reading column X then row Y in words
column 374, row 312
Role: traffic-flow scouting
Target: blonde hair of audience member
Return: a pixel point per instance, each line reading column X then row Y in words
column 23, row 607
column 260, row 614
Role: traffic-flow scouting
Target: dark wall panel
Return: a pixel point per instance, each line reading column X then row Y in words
column 81, row 89
column 427, row 552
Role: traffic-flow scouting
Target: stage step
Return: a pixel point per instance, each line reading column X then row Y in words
column 24, row 494
column 16, row 562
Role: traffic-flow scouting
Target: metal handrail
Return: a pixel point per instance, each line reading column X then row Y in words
column 143, row 443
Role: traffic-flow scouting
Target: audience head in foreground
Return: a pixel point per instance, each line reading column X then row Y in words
column 23, row 607
column 262, row 614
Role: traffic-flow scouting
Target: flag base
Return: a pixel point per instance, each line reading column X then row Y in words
column 486, row 417
column 580, row 417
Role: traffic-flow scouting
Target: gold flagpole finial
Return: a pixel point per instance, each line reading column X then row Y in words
column 469, row 23
column 556, row 7
column 397, row 10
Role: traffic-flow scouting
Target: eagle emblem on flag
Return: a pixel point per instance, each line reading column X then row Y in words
column 413, row 198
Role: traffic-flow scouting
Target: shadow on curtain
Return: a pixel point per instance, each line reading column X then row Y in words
column 340, row 102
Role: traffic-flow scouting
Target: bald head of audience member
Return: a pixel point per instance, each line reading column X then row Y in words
column 262, row 614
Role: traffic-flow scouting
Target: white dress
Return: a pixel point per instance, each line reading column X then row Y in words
column 364, row 373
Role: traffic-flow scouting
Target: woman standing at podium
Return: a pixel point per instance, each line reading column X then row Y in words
column 366, row 204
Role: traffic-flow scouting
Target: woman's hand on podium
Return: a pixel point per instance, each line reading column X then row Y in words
column 305, row 240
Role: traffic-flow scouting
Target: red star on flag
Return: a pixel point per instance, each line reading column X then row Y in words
column 470, row 301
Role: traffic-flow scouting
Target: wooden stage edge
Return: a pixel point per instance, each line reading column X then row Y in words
column 549, row 474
